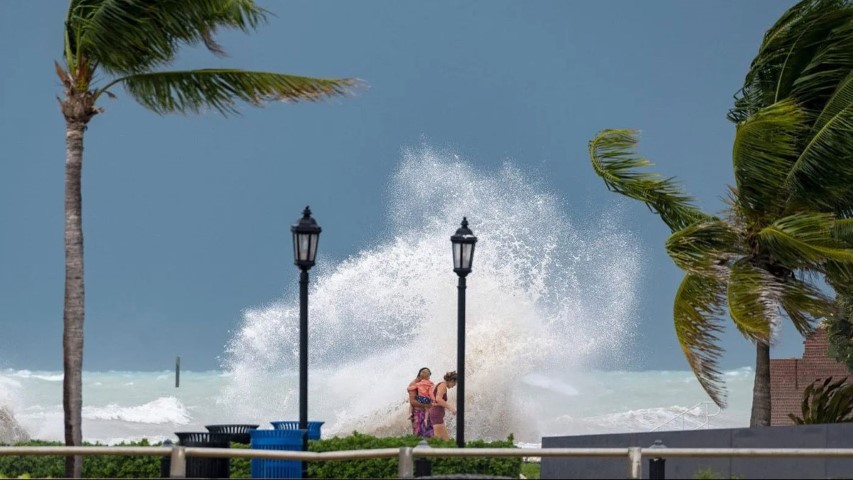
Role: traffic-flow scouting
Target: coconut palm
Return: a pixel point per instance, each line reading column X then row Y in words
column 127, row 43
column 808, row 55
column 788, row 222
column 840, row 331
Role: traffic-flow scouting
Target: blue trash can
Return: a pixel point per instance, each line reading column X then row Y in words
column 313, row 427
column 277, row 440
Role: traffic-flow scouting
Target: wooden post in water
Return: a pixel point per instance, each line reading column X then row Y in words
column 177, row 372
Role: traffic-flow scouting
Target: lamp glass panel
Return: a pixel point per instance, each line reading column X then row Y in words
column 304, row 243
column 315, row 237
column 467, row 253
column 457, row 255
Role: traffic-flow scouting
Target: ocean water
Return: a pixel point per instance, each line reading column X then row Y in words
column 121, row 406
column 550, row 330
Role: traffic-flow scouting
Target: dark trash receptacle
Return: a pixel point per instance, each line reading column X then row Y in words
column 313, row 427
column 238, row 433
column 166, row 462
column 277, row 440
column 199, row 467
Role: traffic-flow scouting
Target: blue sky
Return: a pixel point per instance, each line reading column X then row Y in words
column 186, row 219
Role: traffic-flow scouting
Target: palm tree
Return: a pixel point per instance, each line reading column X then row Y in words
column 840, row 331
column 127, row 43
column 808, row 55
column 788, row 222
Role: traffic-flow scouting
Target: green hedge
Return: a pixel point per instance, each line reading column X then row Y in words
column 387, row 467
column 240, row 467
column 106, row 466
column 100, row 466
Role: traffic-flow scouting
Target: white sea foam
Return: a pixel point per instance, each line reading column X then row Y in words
column 8, row 389
column 161, row 410
column 46, row 376
column 539, row 380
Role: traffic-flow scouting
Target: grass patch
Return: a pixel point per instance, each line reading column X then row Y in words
column 531, row 470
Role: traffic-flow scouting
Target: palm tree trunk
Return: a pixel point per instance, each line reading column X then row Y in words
column 78, row 110
column 761, row 402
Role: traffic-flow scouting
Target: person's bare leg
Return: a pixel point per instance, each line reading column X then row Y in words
column 440, row 431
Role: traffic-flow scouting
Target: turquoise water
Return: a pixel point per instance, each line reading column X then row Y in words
column 133, row 405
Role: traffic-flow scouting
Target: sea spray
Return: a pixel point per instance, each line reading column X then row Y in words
column 545, row 293
column 11, row 431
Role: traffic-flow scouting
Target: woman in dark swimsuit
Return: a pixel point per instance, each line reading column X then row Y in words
column 436, row 413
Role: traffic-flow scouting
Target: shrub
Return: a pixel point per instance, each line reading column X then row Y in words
column 100, row 466
column 114, row 466
column 240, row 467
column 707, row 473
column 531, row 470
column 34, row 466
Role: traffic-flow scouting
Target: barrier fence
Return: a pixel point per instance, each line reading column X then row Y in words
column 406, row 455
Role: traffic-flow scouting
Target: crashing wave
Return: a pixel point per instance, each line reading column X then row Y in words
column 546, row 292
column 11, row 431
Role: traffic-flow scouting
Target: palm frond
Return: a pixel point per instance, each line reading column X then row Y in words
column 696, row 311
column 753, row 296
column 790, row 53
column 221, row 89
column 804, row 304
column 822, row 174
column 804, row 240
column 829, row 402
column 704, row 248
column 840, row 277
column 839, row 329
column 832, row 60
column 131, row 36
column 840, row 99
column 844, row 231
column 613, row 158
column 765, row 148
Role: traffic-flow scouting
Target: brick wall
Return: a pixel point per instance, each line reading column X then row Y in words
column 789, row 377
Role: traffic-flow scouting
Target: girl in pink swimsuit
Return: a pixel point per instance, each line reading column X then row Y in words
column 421, row 425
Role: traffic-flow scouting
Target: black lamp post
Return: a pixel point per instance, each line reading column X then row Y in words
column 306, row 236
column 463, row 256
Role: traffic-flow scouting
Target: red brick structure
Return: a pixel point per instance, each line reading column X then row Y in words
column 789, row 377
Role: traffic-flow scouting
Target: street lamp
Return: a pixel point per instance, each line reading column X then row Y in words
column 463, row 256
column 306, row 236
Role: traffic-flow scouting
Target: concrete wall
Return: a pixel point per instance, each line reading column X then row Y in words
column 803, row 436
column 789, row 377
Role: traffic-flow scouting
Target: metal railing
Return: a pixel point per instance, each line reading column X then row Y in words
column 406, row 455
column 704, row 425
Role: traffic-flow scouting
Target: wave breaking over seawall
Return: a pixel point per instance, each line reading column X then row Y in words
column 546, row 293
column 11, row 431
